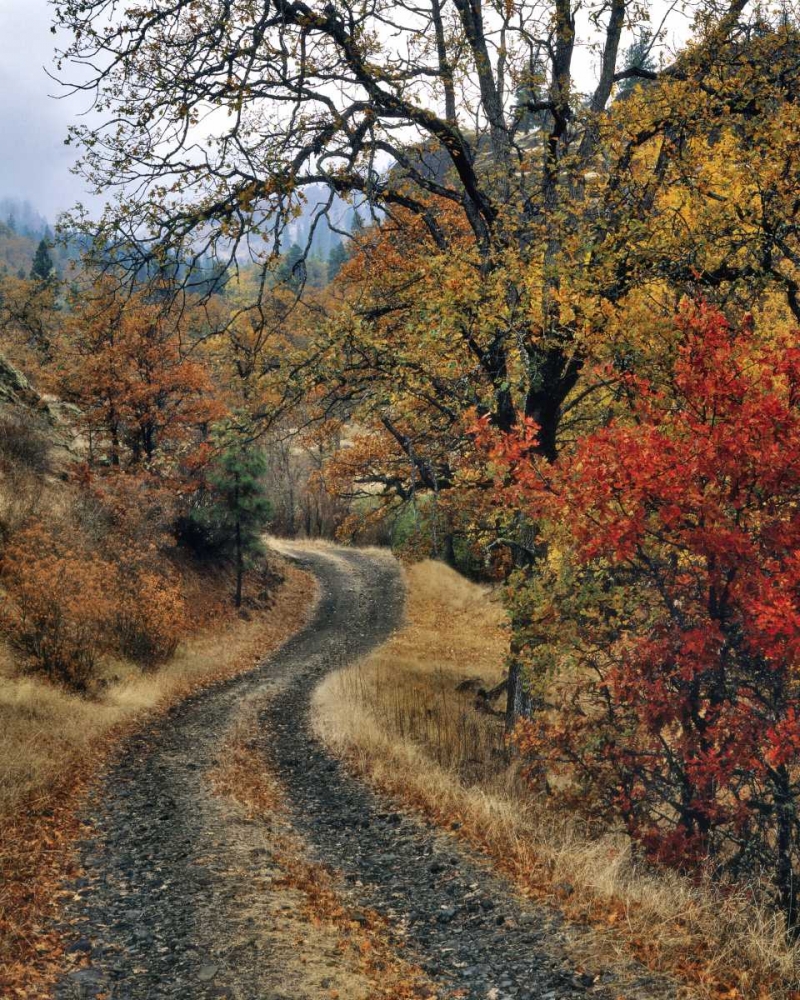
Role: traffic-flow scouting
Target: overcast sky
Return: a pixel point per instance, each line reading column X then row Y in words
column 34, row 162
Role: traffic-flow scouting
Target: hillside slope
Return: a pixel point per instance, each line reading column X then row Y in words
column 63, row 556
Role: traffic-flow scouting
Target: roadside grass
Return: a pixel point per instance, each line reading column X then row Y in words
column 54, row 742
column 400, row 721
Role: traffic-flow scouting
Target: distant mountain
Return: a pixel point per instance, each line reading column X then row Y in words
column 21, row 217
column 341, row 218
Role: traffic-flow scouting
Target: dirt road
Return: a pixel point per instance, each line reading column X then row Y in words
column 179, row 896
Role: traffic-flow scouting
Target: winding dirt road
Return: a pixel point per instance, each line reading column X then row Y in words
column 178, row 899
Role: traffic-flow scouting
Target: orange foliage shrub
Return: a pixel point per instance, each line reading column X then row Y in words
column 67, row 605
column 59, row 606
column 150, row 612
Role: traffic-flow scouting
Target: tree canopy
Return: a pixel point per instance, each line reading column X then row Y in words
column 427, row 109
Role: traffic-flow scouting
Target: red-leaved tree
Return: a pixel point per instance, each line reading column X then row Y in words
column 663, row 634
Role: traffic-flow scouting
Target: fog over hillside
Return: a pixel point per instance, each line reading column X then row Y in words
column 23, row 217
column 35, row 164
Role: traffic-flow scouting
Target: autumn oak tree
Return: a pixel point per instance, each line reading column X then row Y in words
column 469, row 120
column 333, row 94
column 143, row 400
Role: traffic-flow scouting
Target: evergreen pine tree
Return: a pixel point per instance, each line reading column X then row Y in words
column 638, row 55
column 356, row 222
column 43, row 266
column 292, row 270
column 336, row 258
column 323, row 238
column 234, row 513
column 531, row 90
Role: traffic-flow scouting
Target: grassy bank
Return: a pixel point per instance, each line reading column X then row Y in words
column 54, row 742
column 401, row 720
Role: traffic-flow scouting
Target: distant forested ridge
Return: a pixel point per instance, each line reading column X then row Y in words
column 22, row 229
column 23, row 218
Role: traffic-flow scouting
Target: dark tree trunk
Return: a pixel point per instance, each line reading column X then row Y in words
column 519, row 702
column 113, row 424
column 785, row 876
column 239, row 564
column 558, row 377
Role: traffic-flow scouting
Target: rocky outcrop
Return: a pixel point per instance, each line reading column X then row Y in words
column 15, row 387
column 54, row 421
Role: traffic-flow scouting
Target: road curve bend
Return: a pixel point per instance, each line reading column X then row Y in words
column 160, row 912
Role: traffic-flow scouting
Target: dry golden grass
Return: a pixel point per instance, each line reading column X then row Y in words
column 454, row 633
column 53, row 742
column 398, row 719
column 44, row 727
